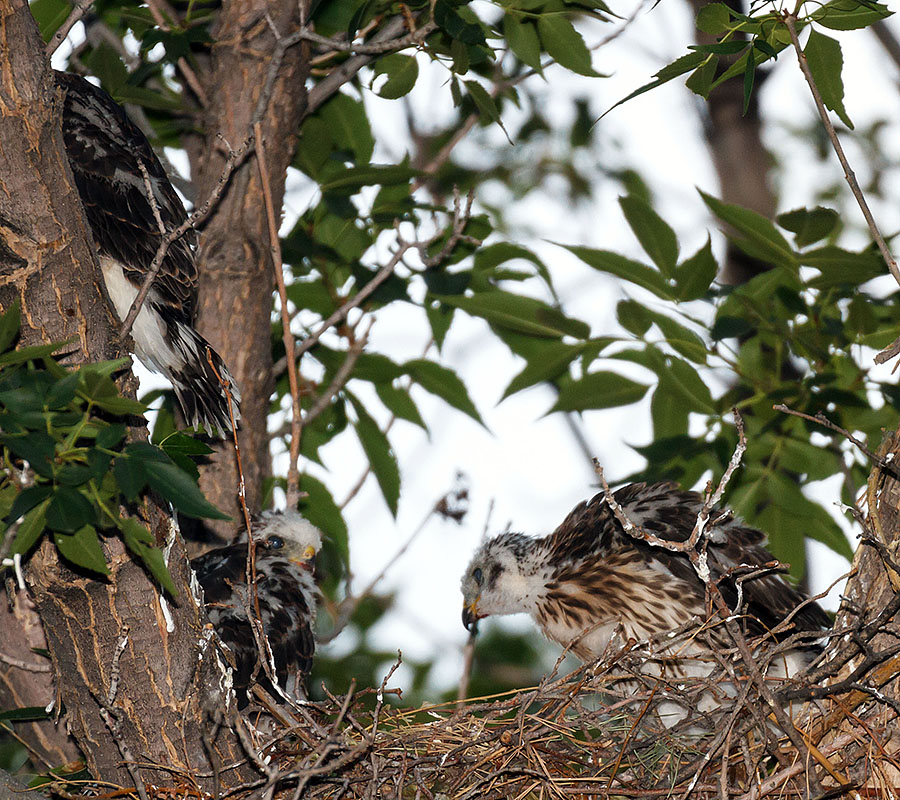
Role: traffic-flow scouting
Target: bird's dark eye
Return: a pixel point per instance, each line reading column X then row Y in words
column 477, row 575
column 275, row 542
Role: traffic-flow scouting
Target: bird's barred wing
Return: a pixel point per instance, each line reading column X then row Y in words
column 669, row 513
column 106, row 152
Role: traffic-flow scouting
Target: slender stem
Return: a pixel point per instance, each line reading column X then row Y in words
column 789, row 21
column 293, row 475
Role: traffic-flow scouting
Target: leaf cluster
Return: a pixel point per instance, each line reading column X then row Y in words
column 69, row 468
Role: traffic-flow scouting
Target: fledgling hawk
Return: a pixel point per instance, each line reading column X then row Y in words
column 590, row 575
column 286, row 546
column 106, row 151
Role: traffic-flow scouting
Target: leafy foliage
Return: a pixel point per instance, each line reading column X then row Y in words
column 68, row 467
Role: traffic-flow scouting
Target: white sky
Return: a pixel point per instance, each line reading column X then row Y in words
column 528, row 465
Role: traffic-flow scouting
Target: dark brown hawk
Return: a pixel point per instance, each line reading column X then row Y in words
column 589, row 580
column 106, row 152
column 286, row 545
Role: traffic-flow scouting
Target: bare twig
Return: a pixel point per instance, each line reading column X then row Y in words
column 293, row 473
column 789, row 21
column 183, row 66
column 341, row 377
column 28, row 666
column 375, row 48
column 79, row 9
column 822, row 420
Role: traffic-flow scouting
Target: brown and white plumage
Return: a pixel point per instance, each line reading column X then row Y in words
column 589, row 580
column 106, row 152
column 286, row 592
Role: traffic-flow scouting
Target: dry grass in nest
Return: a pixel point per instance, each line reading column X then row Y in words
column 596, row 733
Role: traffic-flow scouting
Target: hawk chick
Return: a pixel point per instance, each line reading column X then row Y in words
column 589, row 580
column 286, row 545
column 125, row 206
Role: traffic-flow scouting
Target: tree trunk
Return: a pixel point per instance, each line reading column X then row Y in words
column 236, row 273
column 739, row 155
column 168, row 681
column 873, row 585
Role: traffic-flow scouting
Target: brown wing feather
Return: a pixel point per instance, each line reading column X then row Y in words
column 591, row 531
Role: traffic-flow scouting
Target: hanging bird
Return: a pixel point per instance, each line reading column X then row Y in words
column 286, row 593
column 130, row 206
column 589, row 580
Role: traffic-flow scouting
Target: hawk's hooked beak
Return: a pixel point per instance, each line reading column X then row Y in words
column 470, row 617
column 307, row 560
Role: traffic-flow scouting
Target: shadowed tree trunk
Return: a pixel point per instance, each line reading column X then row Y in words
column 166, row 683
column 738, row 153
column 236, row 274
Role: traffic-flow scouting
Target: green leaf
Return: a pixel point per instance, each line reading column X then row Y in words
column 400, row 404
column 444, row 383
column 700, row 81
column 633, row 271
column 25, row 714
column 551, row 361
column 455, row 26
column 679, row 66
column 840, row 267
column 11, row 318
column 825, row 60
column 695, row 275
column 486, row 105
column 749, row 77
column 130, row 476
column 142, row 545
column 809, row 225
column 847, row 15
column 687, row 385
column 27, row 499
column 111, row 435
column 598, row 390
column 32, row 353
column 670, row 417
column 352, row 179
column 522, row 38
column 320, row 509
column 49, row 15
column 69, row 510
column 402, row 72
column 31, row 529
column 378, row 450
column 762, row 238
column 346, row 121
column 36, row 447
column 83, row 549
column 714, row 18
column 100, row 390
column 564, row 44
column 680, row 338
column 176, row 486
column 652, row 231
column 518, row 313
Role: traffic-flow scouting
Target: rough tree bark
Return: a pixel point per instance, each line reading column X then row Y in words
column 872, row 586
column 167, row 685
column 236, row 276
